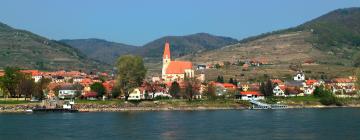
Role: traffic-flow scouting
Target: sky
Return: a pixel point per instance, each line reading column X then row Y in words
column 138, row 22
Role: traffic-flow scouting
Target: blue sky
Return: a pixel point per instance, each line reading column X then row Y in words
column 137, row 22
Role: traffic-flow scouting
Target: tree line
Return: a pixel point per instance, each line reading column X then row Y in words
column 16, row 84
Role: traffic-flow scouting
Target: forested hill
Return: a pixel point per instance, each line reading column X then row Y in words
column 27, row 50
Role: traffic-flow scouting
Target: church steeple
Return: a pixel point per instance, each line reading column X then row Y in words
column 166, row 50
column 166, row 59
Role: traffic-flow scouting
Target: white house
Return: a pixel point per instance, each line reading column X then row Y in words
column 66, row 93
column 279, row 91
column 250, row 95
column 137, row 94
column 300, row 76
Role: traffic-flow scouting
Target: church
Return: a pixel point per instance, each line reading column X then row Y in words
column 175, row 70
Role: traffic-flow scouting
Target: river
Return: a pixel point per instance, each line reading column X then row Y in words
column 335, row 123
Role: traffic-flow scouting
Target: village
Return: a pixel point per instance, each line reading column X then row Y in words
column 179, row 80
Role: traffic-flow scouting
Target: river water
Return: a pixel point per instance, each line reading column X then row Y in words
column 337, row 123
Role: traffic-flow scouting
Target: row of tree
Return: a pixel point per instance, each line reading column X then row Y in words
column 16, row 84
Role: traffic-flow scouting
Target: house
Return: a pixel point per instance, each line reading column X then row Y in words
column 222, row 88
column 279, row 90
column 300, row 76
column 77, row 79
column 58, row 79
column 200, row 67
column 175, row 70
column 67, row 92
column 137, row 94
column 250, row 95
column 310, row 86
column 35, row 74
column 90, row 95
column 295, row 88
column 343, row 85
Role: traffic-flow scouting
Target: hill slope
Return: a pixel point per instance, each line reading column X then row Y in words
column 30, row 51
column 102, row 50
column 330, row 39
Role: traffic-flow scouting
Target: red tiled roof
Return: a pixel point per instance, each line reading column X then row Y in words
column 32, row 72
column 167, row 50
column 310, row 82
column 342, row 80
column 251, row 93
column 178, row 67
column 226, row 85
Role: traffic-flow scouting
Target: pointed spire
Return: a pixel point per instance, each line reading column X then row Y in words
column 166, row 50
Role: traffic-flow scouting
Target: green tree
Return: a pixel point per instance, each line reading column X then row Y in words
column 231, row 81
column 174, row 89
column 98, row 88
column 78, row 87
column 10, row 80
column 220, row 79
column 267, row 88
column 115, row 92
column 130, row 73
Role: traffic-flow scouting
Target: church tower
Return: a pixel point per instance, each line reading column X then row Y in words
column 166, row 59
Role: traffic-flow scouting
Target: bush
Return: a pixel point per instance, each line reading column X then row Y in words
column 328, row 100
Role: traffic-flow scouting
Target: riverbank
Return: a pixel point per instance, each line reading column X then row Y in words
column 167, row 105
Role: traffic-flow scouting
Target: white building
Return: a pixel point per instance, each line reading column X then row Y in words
column 66, row 93
column 300, row 76
column 279, row 91
column 250, row 95
column 137, row 94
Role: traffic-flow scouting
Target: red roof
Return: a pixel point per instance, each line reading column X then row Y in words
column 342, row 80
column 32, row 72
column 227, row 85
column 278, row 81
column 90, row 94
column 251, row 93
column 167, row 50
column 310, row 82
column 178, row 67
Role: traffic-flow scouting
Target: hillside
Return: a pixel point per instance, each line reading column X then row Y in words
column 185, row 45
column 330, row 39
column 180, row 45
column 30, row 51
column 98, row 49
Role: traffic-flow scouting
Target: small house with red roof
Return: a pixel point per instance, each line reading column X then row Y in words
column 279, row 90
column 175, row 70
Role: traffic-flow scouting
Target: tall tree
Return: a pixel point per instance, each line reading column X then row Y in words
column 26, row 86
column 174, row 89
column 192, row 87
column 98, row 88
column 210, row 91
column 267, row 88
column 130, row 73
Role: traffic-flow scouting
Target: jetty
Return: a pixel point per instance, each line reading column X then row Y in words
column 260, row 105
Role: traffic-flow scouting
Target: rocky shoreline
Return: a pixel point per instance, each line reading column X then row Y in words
column 122, row 108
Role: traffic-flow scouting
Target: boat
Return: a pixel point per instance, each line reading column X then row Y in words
column 54, row 110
